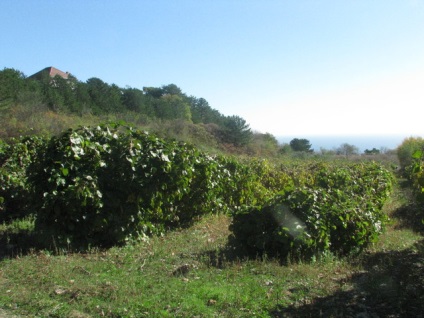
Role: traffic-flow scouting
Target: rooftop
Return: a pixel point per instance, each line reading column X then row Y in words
column 51, row 71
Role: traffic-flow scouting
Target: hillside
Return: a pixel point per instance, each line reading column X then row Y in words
column 47, row 103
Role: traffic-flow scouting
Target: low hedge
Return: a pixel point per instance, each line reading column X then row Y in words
column 108, row 184
column 341, row 211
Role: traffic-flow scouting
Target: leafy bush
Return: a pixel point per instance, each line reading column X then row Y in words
column 406, row 150
column 340, row 211
column 103, row 185
column 15, row 192
column 417, row 173
column 411, row 156
column 100, row 186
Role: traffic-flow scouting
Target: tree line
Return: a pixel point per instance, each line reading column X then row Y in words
column 97, row 97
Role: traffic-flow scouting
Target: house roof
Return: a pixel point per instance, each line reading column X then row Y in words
column 51, row 71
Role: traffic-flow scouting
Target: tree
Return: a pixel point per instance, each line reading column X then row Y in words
column 172, row 107
column 168, row 102
column 135, row 100
column 373, row 151
column 407, row 148
column 285, row 149
column 237, row 131
column 171, row 89
column 84, row 102
column 201, row 112
column 154, row 92
column 105, row 98
column 301, row 145
column 264, row 144
column 51, row 90
column 11, row 83
column 347, row 150
column 63, row 93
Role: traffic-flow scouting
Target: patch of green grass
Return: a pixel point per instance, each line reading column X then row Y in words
column 193, row 272
column 17, row 236
column 19, row 225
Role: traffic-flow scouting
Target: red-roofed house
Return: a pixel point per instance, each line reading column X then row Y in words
column 51, row 71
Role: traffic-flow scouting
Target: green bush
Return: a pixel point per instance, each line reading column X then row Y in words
column 104, row 185
column 411, row 156
column 416, row 174
column 15, row 191
column 406, row 150
column 341, row 212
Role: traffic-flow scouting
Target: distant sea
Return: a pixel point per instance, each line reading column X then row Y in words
column 362, row 142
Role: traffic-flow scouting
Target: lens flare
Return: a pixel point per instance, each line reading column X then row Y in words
column 287, row 220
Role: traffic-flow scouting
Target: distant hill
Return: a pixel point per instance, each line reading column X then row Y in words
column 362, row 142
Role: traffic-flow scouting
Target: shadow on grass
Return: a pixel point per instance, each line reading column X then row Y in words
column 17, row 242
column 391, row 285
column 410, row 216
column 235, row 252
column 19, row 238
column 230, row 253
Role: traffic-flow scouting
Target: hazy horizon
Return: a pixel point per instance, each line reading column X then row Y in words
column 363, row 142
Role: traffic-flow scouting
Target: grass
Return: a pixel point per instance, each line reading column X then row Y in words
column 194, row 272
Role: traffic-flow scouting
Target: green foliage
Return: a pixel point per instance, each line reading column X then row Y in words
column 107, row 184
column 135, row 100
column 96, row 186
column 149, row 106
column 416, row 173
column 172, row 107
column 406, row 151
column 237, row 131
column 264, row 145
column 104, row 185
column 373, row 151
column 301, row 145
column 237, row 185
column 271, row 178
column 11, row 83
column 340, row 211
column 15, row 191
column 105, row 98
column 201, row 112
column 411, row 158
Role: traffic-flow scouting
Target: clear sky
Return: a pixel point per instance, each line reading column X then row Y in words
column 289, row 67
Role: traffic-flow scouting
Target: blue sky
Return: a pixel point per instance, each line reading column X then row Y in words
column 299, row 67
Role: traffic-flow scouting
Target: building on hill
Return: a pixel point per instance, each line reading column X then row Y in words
column 51, row 71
